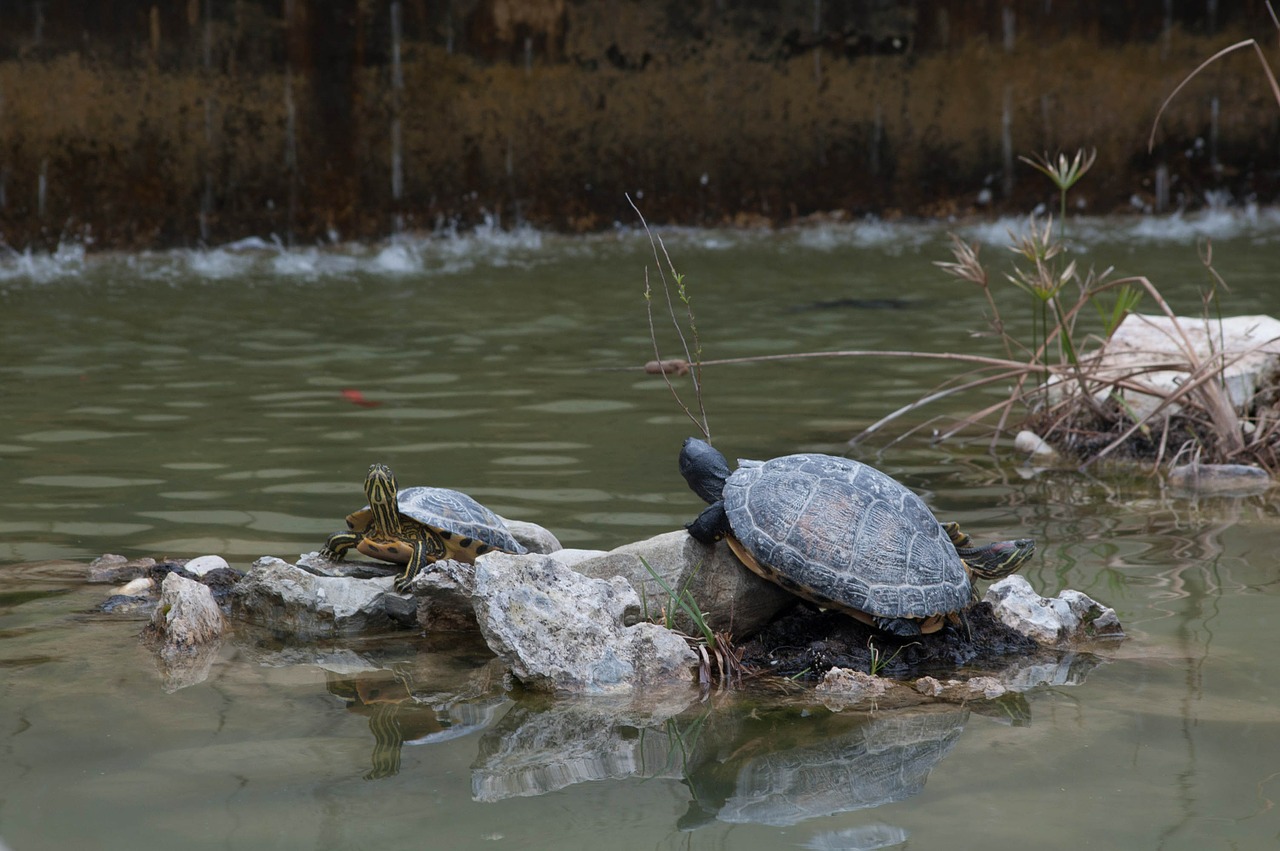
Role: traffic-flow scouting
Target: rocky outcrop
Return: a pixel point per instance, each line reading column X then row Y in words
column 1072, row 619
column 284, row 597
column 559, row 630
column 186, row 631
column 733, row 599
column 187, row 616
column 1160, row 353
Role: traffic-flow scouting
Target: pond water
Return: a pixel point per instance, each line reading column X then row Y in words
column 229, row 401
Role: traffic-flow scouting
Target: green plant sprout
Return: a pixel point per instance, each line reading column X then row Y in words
column 1064, row 174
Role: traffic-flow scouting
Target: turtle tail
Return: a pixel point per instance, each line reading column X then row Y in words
column 704, row 468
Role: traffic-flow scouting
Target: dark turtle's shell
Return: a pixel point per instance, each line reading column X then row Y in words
column 845, row 534
column 456, row 514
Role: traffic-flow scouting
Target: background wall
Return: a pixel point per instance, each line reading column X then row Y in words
column 146, row 124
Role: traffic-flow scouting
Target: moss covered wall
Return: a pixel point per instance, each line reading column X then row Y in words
column 145, row 124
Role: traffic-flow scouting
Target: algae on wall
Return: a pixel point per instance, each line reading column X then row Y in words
column 144, row 124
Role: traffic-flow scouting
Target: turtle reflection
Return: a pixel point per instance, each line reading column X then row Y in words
column 845, row 766
column 398, row 716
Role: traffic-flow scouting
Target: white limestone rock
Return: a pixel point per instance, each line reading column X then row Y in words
column 1071, row 619
column 561, row 631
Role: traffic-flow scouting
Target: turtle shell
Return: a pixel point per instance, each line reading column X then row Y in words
column 457, row 517
column 845, row 535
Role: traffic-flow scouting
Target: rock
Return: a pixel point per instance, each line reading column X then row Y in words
column 1070, row 619
column 202, row 565
column 929, row 686
column 187, row 615
column 443, row 592
column 851, row 685
column 572, row 557
column 354, row 568
column 533, row 537
column 733, row 599
column 282, row 596
column 1249, row 344
column 974, row 688
column 1031, row 444
column 561, row 631
column 1220, row 479
column 123, row 604
column 116, row 568
column 140, row 587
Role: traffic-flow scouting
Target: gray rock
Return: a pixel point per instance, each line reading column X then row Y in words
column 186, row 628
column 1220, row 479
column 353, row 568
column 574, row 557
column 961, row 691
column 533, row 537
column 187, row 615
column 733, row 599
column 444, row 592
column 118, row 569
column 850, row 685
column 561, row 631
column 282, row 596
column 1071, row 619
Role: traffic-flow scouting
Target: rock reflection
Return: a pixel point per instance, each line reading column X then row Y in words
column 542, row 745
column 742, row 763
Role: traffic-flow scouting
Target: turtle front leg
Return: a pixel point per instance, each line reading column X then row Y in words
column 711, row 525
column 417, row 559
column 338, row 544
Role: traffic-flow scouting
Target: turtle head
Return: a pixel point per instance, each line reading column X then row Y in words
column 380, row 488
column 704, row 469
column 998, row 560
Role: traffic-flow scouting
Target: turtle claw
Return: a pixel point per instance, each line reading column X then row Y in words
column 904, row 627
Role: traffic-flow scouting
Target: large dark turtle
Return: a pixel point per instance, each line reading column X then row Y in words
column 843, row 535
column 417, row 526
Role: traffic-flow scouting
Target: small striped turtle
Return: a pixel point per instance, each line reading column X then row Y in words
column 417, row 526
column 843, row 535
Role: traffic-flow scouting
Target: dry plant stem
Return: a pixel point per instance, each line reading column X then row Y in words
column 694, row 357
column 1271, row 78
column 942, row 394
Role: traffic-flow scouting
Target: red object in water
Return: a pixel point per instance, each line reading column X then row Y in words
column 355, row 397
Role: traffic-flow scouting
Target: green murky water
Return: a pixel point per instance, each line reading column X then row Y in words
column 191, row 403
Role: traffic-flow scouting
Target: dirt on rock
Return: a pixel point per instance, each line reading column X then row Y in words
column 804, row 643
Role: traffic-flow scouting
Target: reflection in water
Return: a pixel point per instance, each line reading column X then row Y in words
column 398, row 715
column 839, row 763
column 763, row 765
column 865, row 837
column 542, row 745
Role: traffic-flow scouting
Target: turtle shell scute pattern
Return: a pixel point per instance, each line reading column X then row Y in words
column 848, row 533
column 451, row 511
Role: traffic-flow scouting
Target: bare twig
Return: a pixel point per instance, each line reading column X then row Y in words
column 692, row 363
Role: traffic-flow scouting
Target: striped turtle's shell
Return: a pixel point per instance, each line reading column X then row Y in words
column 456, row 515
column 845, row 535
